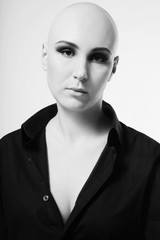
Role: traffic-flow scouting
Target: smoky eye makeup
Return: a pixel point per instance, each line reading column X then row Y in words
column 99, row 57
column 65, row 50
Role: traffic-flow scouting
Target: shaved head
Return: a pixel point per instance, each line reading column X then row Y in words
column 80, row 53
column 85, row 18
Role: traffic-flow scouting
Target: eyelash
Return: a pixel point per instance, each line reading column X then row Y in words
column 67, row 52
column 100, row 58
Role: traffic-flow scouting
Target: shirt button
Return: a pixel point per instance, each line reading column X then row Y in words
column 45, row 198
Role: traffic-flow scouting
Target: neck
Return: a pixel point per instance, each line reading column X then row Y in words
column 73, row 125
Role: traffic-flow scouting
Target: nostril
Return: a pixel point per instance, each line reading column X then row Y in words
column 80, row 76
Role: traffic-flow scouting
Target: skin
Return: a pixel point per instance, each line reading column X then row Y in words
column 79, row 58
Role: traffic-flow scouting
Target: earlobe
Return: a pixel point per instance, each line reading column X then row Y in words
column 116, row 60
column 44, row 56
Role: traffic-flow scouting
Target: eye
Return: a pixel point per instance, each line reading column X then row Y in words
column 67, row 52
column 99, row 58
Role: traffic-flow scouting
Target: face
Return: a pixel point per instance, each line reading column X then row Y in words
column 79, row 58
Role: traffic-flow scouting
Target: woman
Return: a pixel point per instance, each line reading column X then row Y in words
column 73, row 171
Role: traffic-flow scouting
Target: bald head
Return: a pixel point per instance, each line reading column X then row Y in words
column 84, row 19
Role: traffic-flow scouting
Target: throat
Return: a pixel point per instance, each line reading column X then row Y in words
column 72, row 126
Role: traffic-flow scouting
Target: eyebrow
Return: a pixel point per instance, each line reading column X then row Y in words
column 68, row 43
column 93, row 50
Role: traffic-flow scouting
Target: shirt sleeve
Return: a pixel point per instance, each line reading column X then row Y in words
column 152, row 227
column 2, row 226
column 3, row 231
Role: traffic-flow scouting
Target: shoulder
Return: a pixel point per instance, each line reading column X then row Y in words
column 12, row 137
column 141, row 155
column 10, row 142
column 135, row 138
column 10, row 146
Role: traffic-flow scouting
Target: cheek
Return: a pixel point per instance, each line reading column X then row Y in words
column 58, row 66
column 57, row 71
column 53, row 75
column 100, row 76
column 53, row 68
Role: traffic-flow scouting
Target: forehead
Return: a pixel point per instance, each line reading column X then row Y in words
column 85, row 27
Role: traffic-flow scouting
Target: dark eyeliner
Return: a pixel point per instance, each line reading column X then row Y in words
column 99, row 57
column 65, row 49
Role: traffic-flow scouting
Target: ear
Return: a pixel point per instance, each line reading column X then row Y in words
column 44, row 56
column 116, row 60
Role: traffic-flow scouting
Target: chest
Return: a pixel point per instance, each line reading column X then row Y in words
column 69, row 169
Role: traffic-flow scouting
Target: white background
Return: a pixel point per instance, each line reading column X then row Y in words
column 134, row 89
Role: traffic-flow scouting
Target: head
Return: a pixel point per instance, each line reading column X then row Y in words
column 80, row 55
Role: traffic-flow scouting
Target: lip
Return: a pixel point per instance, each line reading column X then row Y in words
column 80, row 90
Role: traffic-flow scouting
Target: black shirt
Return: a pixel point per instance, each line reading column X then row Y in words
column 120, row 199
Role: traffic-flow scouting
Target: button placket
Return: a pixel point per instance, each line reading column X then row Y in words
column 37, row 175
column 46, row 198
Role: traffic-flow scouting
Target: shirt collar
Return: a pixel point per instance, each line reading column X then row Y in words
column 35, row 124
column 115, row 137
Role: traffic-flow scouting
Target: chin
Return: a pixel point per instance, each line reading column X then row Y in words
column 74, row 105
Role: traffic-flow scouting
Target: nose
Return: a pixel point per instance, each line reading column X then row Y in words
column 81, row 73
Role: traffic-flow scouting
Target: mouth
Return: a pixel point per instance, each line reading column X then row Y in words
column 80, row 90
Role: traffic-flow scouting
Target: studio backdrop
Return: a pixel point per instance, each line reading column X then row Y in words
column 134, row 90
